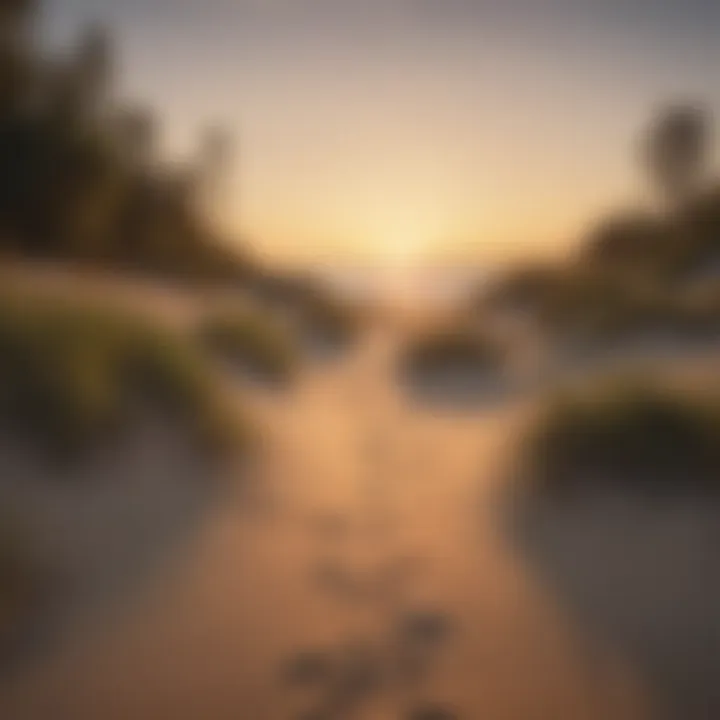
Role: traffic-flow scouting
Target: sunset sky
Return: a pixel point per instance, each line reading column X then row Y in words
column 402, row 130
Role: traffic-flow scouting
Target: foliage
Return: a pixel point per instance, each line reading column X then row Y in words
column 597, row 308
column 628, row 434
column 672, row 251
column 696, row 250
column 592, row 306
column 633, row 244
column 79, row 176
column 73, row 377
column 454, row 349
column 637, row 272
column 252, row 340
column 674, row 247
column 677, row 150
column 318, row 314
column 522, row 288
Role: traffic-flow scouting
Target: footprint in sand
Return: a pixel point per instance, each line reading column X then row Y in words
column 424, row 627
column 397, row 575
column 311, row 667
column 348, row 678
column 361, row 672
column 352, row 674
column 331, row 527
column 432, row 712
column 341, row 581
column 419, row 637
column 317, row 715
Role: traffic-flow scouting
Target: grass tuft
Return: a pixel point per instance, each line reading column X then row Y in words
column 455, row 349
column 629, row 435
column 251, row 341
column 72, row 377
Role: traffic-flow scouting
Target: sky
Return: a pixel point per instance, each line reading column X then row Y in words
column 412, row 131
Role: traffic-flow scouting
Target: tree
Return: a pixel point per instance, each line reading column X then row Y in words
column 16, row 21
column 81, row 179
column 677, row 150
column 628, row 241
column 93, row 69
column 16, row 18
column 135, row 135
column 214, row 161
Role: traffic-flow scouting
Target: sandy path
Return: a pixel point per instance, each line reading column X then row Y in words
column 362, row 576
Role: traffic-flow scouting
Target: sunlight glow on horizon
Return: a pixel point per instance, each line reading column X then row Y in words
column 403, row 131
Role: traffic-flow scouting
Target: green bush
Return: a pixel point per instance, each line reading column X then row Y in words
column 627, row 434
column 253, row 341
column 72, row 376
column 599, row 307
column 454, row 349
column 576, row 301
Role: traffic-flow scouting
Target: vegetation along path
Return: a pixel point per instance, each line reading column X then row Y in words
column 360, row 575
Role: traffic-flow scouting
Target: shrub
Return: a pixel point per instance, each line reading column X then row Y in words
column 72, row 376
column 321, row 318
column 627, row 434
column 524, row 288
column 634, row 245
column 255, row 342
column 599, row 308
column 455, row 349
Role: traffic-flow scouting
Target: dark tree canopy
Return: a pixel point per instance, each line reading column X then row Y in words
column 80, row 175
column 629, row 240
column 683, row 243
column 677, row 149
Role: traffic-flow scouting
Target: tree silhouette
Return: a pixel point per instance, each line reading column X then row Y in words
column 215, row 157
column 627, row 241
column 135, row 132
column 16, row 18
column 93, row 69
column 16, row 21
column 677, row 150
column 80, row 174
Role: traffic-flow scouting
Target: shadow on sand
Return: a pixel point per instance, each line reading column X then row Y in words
column 641, row 575
column 457, row 390
column 103, row 529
